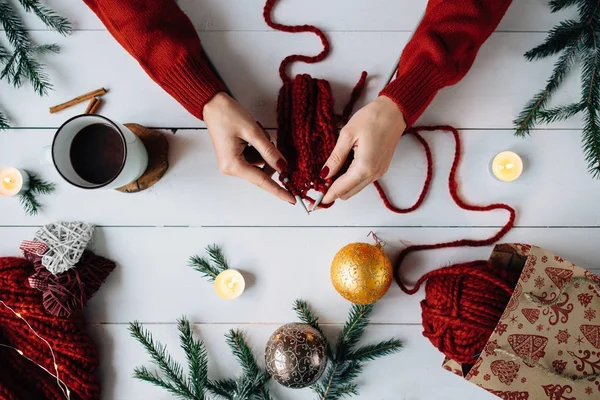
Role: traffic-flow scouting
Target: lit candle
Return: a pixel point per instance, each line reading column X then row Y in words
column 230, row 284
column 507, row 166
column 13, row 182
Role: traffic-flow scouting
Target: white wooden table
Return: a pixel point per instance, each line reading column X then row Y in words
column 152, row 234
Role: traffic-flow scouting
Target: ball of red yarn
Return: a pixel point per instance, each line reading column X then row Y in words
column 76, row 354
column 463, row 304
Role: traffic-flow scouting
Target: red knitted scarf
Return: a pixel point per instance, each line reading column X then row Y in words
column 76, row 354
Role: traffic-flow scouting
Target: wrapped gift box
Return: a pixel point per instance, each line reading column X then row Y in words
column 547, row 343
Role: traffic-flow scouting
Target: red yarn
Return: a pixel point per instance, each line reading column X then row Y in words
column 464, row 302
column 76, row 354
column 307, row 125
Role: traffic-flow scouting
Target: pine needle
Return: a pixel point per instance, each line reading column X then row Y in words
column 48, row 16
column 306, row 316
column 374, row 351
column 242, row 352
column 576, row 41
column 3, row 122
column 196, row 356
column 358, row 320
column 29, row 203
column 217, row 257
column 171, row 369
column 203, row 266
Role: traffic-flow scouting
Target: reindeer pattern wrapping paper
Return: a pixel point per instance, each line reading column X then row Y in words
column 546, row 346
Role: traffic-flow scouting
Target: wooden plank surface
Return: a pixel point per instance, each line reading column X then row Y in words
column 285, row 254
column 554, row 191
column 337, row 15
column 153, row 282
column 489, row 97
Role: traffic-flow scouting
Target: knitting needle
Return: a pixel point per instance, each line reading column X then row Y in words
column 298, row 198
column 320, row 195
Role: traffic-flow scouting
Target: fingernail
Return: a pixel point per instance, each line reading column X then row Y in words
column 281, row 165
column 324, row 172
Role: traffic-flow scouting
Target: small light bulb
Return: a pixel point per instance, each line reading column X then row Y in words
column 20, row 352
column 18, row 315
column 55, row 366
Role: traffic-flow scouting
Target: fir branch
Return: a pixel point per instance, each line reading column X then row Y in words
column 558, row 39
column 217, row 257
column 202, row 265
column 144, row 375
column 48, row 16
column 374, row 351
column 591, row 92
column 353, row 330
column 171, row 369
column 243, row 353
column 29, row 203
column 222, row 388
column 197, row 358
column 306, row 316
column 557, row 5
column 38, row 186
column 208, row 269
column 44, row 49
column 560, row 113
column 528, row 117
column 3, row 122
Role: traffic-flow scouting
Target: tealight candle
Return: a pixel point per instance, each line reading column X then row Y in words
column 13, row 182
column 230, row 284
column 507, row 166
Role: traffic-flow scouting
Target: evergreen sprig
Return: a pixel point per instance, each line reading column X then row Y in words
column 37, row 186
column 346, row 361
column 577, row 41
column 210, row 268
column 19, row 64
column 196, row 385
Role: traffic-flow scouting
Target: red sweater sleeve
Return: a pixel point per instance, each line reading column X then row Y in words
column 163, row 40
column 442, row 50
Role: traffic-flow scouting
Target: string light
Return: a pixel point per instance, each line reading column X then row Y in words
column 61, row 384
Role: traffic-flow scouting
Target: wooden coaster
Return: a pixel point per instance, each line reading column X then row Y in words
column 158, row 158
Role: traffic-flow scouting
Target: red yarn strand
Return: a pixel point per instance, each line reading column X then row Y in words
column 453, row 187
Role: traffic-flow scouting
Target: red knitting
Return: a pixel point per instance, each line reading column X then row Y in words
column 76, row 354
column 307, row 125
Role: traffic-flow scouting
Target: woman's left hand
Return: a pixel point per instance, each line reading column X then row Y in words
column 373, row 133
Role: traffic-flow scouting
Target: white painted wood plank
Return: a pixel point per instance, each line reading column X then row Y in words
column 554, row 191
column 415, row 373
column 490, row 96
column 153, row 283
column 358, row 15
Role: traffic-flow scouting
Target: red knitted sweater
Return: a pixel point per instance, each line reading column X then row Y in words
column 163, row 40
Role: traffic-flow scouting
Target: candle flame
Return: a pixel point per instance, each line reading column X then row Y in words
column 509, row 165
column 7, row 180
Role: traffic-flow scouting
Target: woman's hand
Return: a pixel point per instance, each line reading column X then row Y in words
column 231, row 129
column 373, row 133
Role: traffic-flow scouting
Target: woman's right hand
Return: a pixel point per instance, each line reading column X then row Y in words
column 232, row 129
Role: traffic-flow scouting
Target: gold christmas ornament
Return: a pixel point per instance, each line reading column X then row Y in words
column 361, row 273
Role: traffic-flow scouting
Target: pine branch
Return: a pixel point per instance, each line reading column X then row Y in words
column 306, row 316
column 217, row 257
column 208, row 269
column 48, row 16
column 560, row 113
column 142, row 374
column 557, row 5
column 528, row 117
column 44, row 49
column 353, row 330
column 222, row 388
column 38, row 186
column 558, row 39
column 591, row 92
column 374, row 351
column 29, row 203
column 158, row 352
column 3, row 122
column 243, row 353
column 197, row 358
column 202, row 265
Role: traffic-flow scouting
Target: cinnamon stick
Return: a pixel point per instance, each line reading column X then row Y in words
column 91, row 105
column 94, row 107
column 77, row 100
